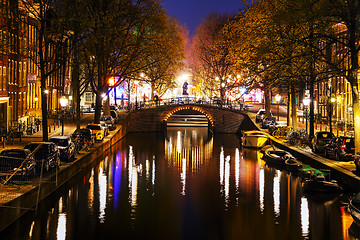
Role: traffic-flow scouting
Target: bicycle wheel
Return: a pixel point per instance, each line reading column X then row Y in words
column 277, row 133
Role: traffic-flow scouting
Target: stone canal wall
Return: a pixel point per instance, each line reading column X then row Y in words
column 348, row 180
column 13, row 209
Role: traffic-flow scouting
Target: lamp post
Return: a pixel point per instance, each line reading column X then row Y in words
column 63, row 103
column 306, row 102
column 136, row 85
column 36, row 100
column 332, row 101
column 351, row 121
column 278, row 98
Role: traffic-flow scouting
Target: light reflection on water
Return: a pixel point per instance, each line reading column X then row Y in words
column 200, row 188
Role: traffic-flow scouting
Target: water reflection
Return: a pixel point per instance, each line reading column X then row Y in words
column 188, row 185
column 305, row 217
column 276, row 193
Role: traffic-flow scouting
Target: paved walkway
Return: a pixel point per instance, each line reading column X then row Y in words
column 69, row 128
column 346, row 167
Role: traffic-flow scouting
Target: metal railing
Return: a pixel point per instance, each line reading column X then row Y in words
column 233, row 105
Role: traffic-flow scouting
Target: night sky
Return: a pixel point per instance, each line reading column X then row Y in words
column 191, row 12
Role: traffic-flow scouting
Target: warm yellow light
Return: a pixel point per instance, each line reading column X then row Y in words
column 306, row 101
column 332, row 99
column 278, row 98
column 64, row 101
column 111, row 81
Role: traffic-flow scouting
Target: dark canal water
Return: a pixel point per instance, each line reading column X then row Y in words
column 188, row 185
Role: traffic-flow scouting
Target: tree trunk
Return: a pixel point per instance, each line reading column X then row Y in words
column 288, row 113
column 98, row 106
column 294, row 119
column 107, row 103
column 44, row 108
column 312, row 97
column 267, row 101
column 356, row 109
column 76, row 88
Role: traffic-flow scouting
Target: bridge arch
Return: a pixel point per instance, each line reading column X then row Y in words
column 221, row 120
column 194, row 108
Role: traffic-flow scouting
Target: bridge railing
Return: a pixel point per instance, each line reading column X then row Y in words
column 233, row 105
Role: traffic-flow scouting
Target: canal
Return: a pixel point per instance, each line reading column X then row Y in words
column 187, row 185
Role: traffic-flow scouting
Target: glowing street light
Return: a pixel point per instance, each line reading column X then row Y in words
column 63, row 103
column 136, row 82
column 278, row 98
column 306, row 103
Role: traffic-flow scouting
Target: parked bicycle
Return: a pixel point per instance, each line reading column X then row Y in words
column 298, row 138
column 281, row 132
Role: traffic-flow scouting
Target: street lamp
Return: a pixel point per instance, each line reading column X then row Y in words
column 63, row 103
column 332, row 101
column 306, row 102
column 278, row 98
column 136, row 85
column 36, row 100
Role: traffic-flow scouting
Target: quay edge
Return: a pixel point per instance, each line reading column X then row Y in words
column 14, row 209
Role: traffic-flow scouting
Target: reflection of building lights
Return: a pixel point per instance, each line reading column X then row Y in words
column 31, row 229
column 132, row 178
column 102, row 194
column 153, row 172
column 61, row 227
column 305, row 216
column 237, row 168
column 46, row 91
column 277, row 193
column 178, row 142
column 227, row 180
column 36, row 99
column 183, row 176
column 222, row 162
column 262, row 189
column 147, row 169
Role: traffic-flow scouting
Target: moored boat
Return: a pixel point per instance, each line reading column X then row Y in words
column 354, row 208
column 275, row 156
column 319, row 184
column 293, row 165
column 308, row 172
column 254, row 139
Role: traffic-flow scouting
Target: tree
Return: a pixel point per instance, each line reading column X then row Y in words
column 52, row 45
column 116, row 49
column 346, row 15
column 165, row 58
column 209, row 61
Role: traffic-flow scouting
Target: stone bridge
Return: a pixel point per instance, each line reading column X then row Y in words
column 221, row 120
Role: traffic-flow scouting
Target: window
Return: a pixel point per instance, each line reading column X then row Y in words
column 88, row 97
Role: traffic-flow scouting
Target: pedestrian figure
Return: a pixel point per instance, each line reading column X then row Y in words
column 185, row 88
column 156, row 99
